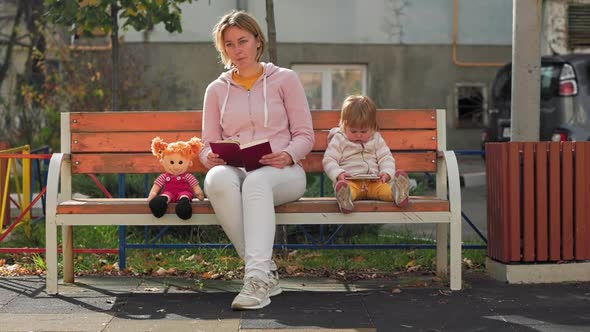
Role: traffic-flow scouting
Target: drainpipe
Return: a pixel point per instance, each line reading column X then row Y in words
column 455, row 29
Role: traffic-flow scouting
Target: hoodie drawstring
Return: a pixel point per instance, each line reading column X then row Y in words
column 265, row 106
column 265, row 101
column 224, row 103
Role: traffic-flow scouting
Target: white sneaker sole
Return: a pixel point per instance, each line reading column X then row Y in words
column 237, row 306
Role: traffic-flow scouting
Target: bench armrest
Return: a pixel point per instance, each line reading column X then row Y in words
column 56, row 165
column 450, row 167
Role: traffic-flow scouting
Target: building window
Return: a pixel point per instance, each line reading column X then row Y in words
column 326, row 86
column 470, row 105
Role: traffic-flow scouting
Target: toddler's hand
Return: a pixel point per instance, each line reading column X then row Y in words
column 342, row 176
column 385, row 177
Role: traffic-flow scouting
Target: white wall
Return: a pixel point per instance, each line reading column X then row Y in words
column 481, row 22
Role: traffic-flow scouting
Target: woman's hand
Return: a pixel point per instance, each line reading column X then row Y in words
column 214, row 160
column 277, row 159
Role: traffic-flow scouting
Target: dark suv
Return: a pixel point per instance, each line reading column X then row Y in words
column 565, row 101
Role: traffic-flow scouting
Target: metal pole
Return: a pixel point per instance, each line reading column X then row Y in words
column 526, row 64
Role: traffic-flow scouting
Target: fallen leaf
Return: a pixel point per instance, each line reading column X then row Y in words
column 396, row 291
column 161, row 271
column 211, row 275
column 411, row 263
column 290, row 269
column 358, row 259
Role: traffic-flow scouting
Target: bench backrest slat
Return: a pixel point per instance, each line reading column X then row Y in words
column 146, row 163
column 119, row 142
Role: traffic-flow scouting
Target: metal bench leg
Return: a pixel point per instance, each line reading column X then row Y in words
column 51, row 254
column 456, row 254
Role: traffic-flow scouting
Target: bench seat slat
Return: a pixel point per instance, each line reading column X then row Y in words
column 142, row 163
column 304, row 205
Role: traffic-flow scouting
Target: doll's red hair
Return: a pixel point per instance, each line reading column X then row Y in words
column 188, row 149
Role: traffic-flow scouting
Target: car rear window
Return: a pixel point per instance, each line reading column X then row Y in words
column 501, row 91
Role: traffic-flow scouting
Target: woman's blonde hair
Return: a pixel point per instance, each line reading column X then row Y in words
column 358, row 112
column 244, row 21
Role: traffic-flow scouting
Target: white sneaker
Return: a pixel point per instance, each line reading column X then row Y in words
column 255, row 293
column 344, row 196
column 400, row 188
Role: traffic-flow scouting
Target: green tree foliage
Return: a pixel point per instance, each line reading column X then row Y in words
column 86, row 16
column 89, row 15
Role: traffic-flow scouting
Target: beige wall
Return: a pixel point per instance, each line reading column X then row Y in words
column 399, row 76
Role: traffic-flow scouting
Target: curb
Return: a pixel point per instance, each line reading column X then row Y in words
column 474, row 179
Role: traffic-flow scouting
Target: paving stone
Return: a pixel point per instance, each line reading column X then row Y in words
column 79, row 322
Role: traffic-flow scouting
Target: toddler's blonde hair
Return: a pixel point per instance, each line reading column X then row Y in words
column 358, row 112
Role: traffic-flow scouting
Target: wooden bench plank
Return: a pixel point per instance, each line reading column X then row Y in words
column 135, row 121
column 388, row 119
column 303, row 205
column 423, row 139
column 191, row 120
column 144, row 163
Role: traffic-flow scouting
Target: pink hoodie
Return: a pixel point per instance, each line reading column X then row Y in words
column 275, row 108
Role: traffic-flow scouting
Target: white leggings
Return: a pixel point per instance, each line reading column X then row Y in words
column 244, row 205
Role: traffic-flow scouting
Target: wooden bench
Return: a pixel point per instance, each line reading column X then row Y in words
column 119, row 142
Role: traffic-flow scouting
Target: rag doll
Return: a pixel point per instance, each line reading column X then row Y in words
column 176, row 185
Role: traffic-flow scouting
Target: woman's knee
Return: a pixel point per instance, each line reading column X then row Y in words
column 220, row 179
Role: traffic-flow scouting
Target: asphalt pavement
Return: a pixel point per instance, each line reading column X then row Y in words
column 176, row 304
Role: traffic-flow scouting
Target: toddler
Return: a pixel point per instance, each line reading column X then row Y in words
column 358, row 160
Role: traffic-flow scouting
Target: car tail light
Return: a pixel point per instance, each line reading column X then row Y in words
column 485, row 136
column 568, row 86
column 559, row 137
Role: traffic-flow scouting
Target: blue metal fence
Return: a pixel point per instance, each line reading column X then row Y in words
column 321, row 241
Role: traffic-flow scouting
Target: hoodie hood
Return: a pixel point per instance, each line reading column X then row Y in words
column 226, row 77
column 333, row 132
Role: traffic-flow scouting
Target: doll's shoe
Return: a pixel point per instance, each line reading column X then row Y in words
column 158, row 206
column 400, row 189
column 184, row 210
column 344, row 196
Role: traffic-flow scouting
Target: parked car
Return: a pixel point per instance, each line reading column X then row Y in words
column 565, row 101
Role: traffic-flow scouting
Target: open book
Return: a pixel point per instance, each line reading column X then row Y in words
column 369, row 177
column 245, row 155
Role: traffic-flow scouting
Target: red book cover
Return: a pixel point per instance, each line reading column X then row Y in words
column 245, row 155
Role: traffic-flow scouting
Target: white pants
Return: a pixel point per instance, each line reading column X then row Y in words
column 244, row 205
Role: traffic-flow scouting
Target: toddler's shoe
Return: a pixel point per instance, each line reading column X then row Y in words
column 400, row 188
column 344, row 196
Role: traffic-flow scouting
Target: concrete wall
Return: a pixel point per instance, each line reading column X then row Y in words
column 481, row 22
column 399, row 76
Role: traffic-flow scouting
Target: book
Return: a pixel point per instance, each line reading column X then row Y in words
column 368, row 177
column 242, row 155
